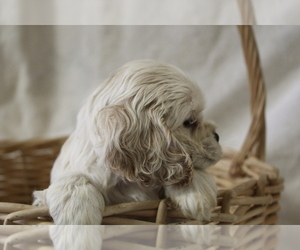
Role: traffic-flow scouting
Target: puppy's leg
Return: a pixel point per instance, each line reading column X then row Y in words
column 198, row 198
column 74, row 200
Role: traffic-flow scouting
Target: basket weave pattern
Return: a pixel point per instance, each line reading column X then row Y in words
column 248, row 188
column 25, row 167
column 250, row 200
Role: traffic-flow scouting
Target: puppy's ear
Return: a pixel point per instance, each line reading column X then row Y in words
column 141, row 147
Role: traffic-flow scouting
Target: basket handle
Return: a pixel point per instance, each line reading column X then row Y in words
column 247, row 12
column 255, row 140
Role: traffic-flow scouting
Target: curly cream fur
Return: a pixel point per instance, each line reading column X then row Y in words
column 130, row 142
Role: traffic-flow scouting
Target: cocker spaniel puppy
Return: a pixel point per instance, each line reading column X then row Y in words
column 140, row 133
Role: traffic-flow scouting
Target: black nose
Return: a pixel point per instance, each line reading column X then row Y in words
column 216, row 137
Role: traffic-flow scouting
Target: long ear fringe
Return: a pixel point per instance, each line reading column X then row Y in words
column 127, row 142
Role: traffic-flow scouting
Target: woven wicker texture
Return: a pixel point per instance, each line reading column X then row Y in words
column 248, row 188
column 25, row 167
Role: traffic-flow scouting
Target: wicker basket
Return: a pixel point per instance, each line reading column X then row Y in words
column 248, row 188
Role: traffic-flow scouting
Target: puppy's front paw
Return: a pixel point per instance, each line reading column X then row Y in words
column 198, row 199
column 196, row 205
column 74, row 200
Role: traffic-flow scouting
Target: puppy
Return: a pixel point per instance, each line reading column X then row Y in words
column 141, row 132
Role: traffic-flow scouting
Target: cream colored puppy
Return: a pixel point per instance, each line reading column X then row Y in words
column 140, row 136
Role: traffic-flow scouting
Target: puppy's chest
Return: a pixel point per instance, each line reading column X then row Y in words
column 128, row 192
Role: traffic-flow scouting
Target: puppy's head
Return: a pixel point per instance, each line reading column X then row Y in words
column 148, row 125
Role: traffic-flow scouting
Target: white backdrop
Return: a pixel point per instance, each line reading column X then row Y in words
column 46, row 73
column 145, row 12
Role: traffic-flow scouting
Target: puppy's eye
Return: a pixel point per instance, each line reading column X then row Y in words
column 189, row 123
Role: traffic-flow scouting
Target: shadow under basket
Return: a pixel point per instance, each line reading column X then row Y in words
column 248, row 188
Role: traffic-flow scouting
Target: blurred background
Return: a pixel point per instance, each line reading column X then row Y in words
column 47, row 72
column 183, row 12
